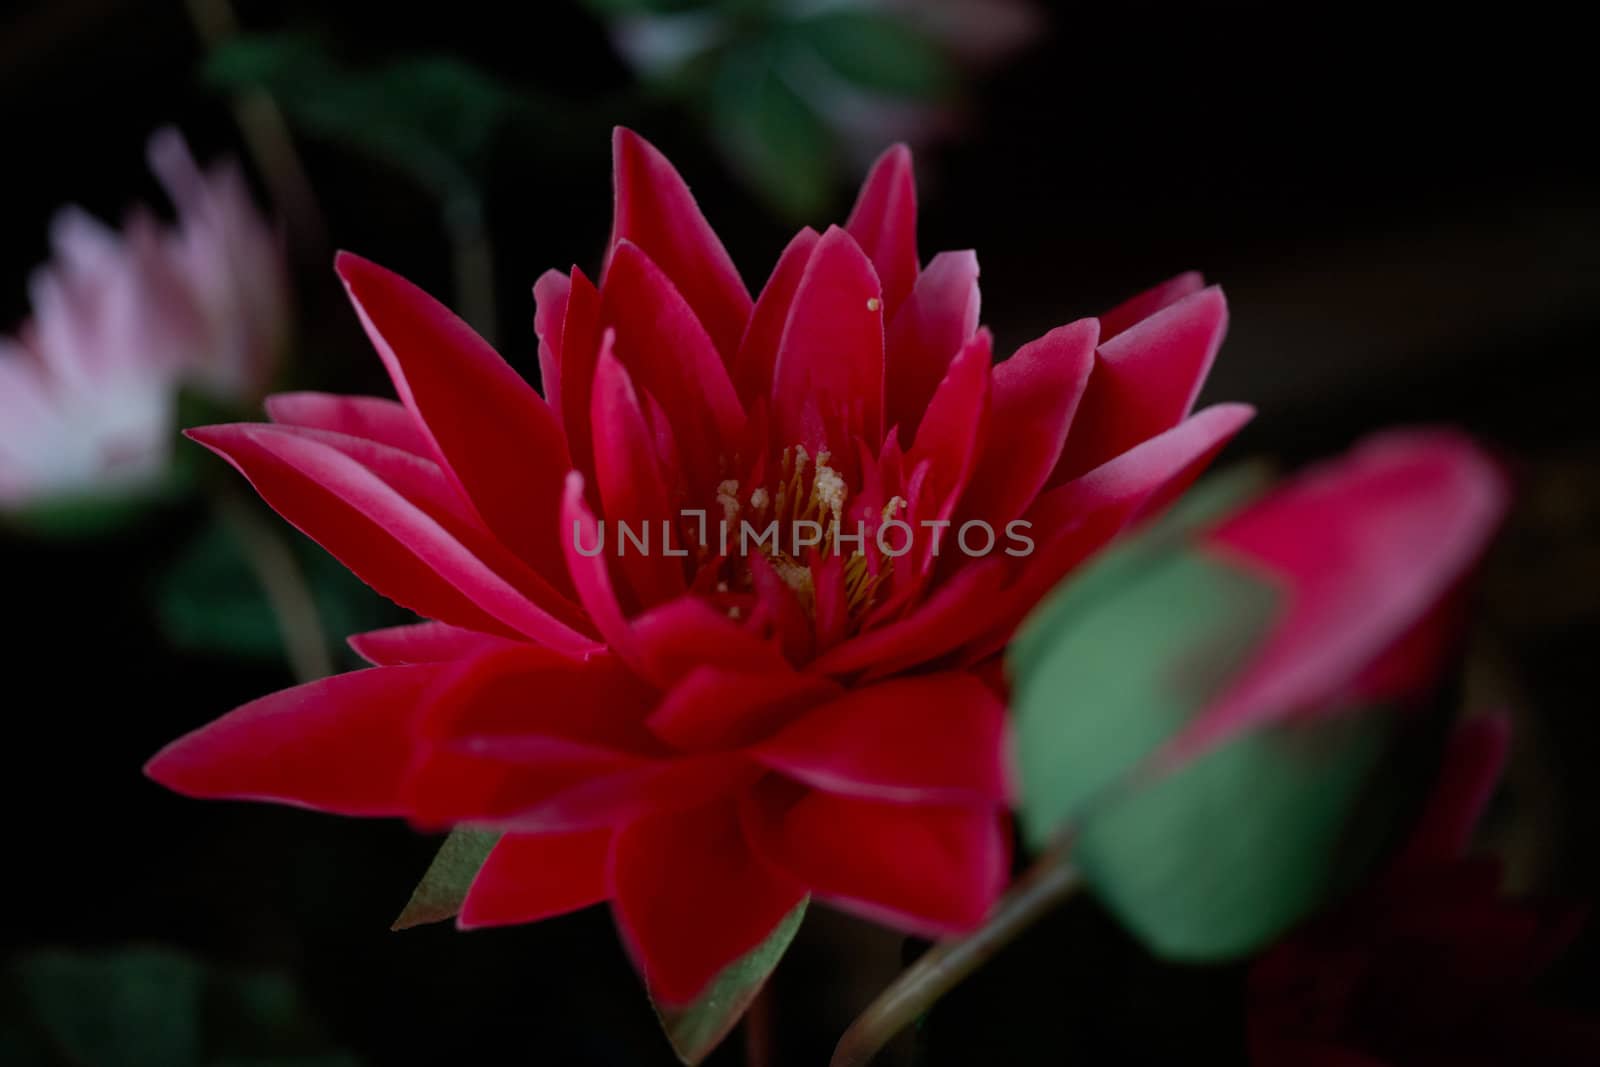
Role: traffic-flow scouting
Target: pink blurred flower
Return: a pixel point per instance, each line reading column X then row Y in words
column 1429, row 965
column 122, row 319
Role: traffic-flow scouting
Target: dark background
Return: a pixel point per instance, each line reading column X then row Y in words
column 1402, row 210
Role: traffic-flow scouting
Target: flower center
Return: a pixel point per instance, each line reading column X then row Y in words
column 795, row 523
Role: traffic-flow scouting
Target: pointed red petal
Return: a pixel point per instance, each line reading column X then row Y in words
column 529, row 877
column 884, row 223
column 932, row 739
column 387, row 540
column 371, row 417
column 926, row 333
column 656, row 211
column 758, row 351
column 1145, row 381
column 930, row 871
column 340, row 744
column 690, row 898
column 953, row 430
column 1365, row 546
column 584, row 542
column 633, row 488
column 1147, row 476
column 956, row 612
column 422, row 642
column 551, row 294
column 1136, row 310
column 1068, row 524
column 831, row 356
column 671, row 357
column 580, row 347
column 1033, row 398
column 491, row 431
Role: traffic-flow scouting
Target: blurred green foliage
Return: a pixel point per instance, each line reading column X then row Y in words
column 781, row 85
column 143, row 1007
column 1215, row 857
column 431, row 117
column 211, row 599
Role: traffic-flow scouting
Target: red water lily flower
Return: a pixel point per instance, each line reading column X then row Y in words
column 703, row 734
column 1429, row 964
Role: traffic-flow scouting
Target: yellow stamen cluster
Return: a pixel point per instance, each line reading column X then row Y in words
column 809, row 490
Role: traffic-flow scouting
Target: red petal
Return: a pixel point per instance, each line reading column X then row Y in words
column 422, row 642
column 1134, row 311
column 520, row 691
column 831, row 356
column 580, row 348
column 932, row 739
column 674, row 637
column 551, row 295
column 924, row 336
column 340, row 744
column 1473, row 762
column 509, row 731
column 1033, row 398
column 656, row 211
column 884, row 223
column 384, row 421
column 491, row 431
column 387, row 540
column 1145, row 381
column 670, row 356
column 953, row 614
column 926, row 870
column 953, row 429
column 584, row 545
column 421, row 482
column 632, row 793
column 1070, row 523
column 529, row 877
column 690, row 898
column 632, row 485
column 1365, row 546
column 758, row 351
column 1146, row 476
column 715, row 707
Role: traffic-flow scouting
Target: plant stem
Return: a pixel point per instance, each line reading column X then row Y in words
column 1047, row 883
column 293, row 606
column 472, row 258
column 266, row 134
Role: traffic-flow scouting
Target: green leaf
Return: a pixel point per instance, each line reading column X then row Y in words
column 774, row 138
column 697, row 1029
column 445, row 883
column 430, row 116
column 1218, row 859
column 1118, row 657
column 879, row 52
column 1212, row 858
